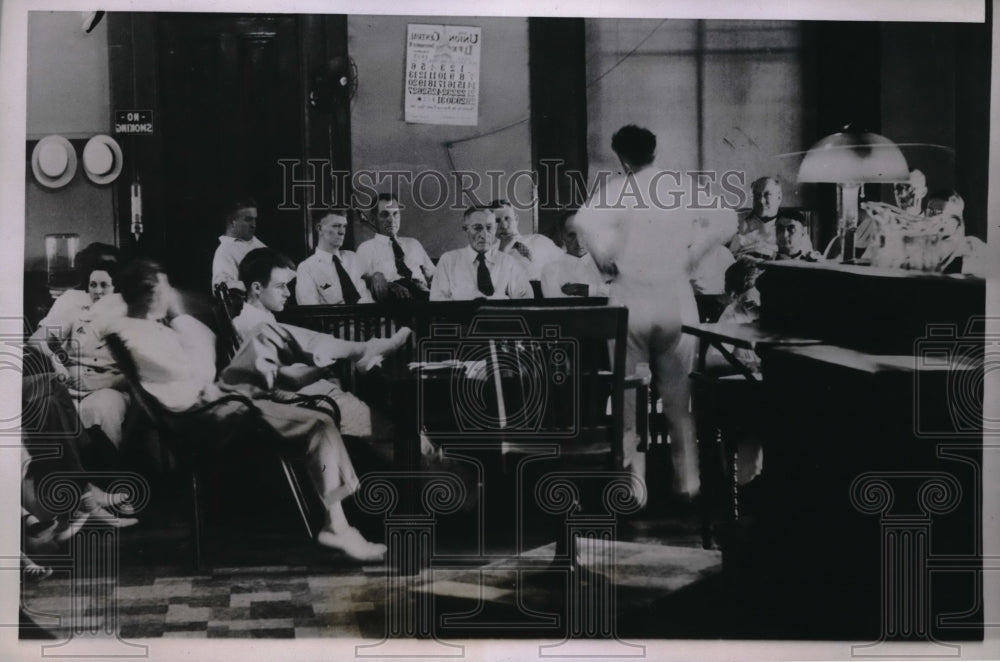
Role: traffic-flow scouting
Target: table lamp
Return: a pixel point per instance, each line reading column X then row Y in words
column 851, row 159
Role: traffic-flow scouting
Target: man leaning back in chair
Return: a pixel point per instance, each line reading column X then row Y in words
column 175, row 360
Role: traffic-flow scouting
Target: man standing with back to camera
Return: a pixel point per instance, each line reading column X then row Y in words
column 647, row 250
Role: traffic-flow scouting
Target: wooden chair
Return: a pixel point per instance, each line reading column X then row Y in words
column 195, row 437
column 570, row 364
column 227, row 341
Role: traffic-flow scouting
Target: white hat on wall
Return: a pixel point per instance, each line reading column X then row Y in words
column 53, row 161
column 102, row 159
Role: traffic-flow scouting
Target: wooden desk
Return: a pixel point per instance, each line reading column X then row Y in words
column 743, row 336
column 855, row 446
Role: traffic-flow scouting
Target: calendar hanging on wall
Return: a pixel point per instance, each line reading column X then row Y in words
column 442, row 74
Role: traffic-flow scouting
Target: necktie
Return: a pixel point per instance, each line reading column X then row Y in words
column 522, row 249
column 483, row 280
column 397, row 252
column 347, row 289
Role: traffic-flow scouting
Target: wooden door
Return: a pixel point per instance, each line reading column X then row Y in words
column 231, row 106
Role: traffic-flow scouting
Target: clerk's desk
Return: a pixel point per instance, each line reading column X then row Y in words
column 872, row 455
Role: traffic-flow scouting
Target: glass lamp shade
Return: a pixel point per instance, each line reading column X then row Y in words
column 853, row 158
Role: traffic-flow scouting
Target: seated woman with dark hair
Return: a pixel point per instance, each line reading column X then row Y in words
column 83, row 385
column 81, row 361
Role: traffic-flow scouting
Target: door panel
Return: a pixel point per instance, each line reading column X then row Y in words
column 231, row 107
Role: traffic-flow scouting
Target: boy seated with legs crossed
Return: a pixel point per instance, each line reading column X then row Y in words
column 267, row 275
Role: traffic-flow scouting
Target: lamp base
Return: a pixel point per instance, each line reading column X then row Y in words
column 835, row 249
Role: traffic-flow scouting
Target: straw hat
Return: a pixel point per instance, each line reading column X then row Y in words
column 53, row 161
column 102, row 159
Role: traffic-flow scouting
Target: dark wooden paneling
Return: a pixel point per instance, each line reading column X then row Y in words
column 230, row 97
column 558, row 109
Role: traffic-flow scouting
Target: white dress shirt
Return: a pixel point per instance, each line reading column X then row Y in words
column 226, row 263
column 543, row 250
column 317, row 281
column 572, row 269
column 754, row 235
column 176, row 363
column 250, row 318
column 375, row 255
column 322, row 349
column 457, row 276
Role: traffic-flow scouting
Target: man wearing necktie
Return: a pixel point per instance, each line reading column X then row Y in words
column 479, row 270
column 394, row 267
column 331, row 275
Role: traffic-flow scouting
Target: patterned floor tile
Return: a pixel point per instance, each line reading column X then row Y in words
column 186, row 634
column 325, row 632
column 279, row 609
column 141, row 605
column 280, row 633
column 222, row 614
column 317, row 584
column 245, row 599
column 226, row 633
column 142, row 630
column 219, row 600
column 162, row 589
column 186, row 626
column 186, row 614
column 146, row 612
column 350, row 602
column 142, row 618
column 261, row 624
column 336, row 619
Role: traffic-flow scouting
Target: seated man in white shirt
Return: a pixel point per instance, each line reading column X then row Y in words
column 755, row 233
column 574, row 273
column 536, row 250
column 267, row 274
column 394, row 267
column 238, row 240
column 330, row 275
column 480, row 270
column 175, row 359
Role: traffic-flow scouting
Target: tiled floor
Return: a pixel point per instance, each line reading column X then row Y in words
column 351, row 601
